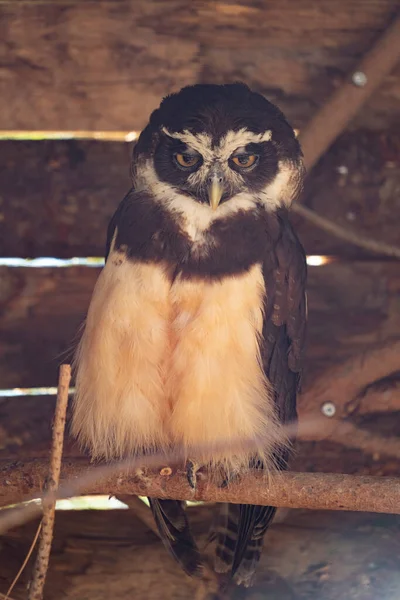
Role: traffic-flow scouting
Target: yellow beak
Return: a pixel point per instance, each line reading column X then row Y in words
column 215, row 192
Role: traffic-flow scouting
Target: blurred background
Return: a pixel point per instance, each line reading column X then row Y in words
column 78, row 82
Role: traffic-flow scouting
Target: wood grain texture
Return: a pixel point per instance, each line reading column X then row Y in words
column 105, row 65
column 356, row 185
column 98, row 555
column 352, row 306
column 56, row 197
column 313, row 491
column 92, row 66
column 42, row 310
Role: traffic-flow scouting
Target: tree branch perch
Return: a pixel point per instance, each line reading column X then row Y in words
column 316, row 491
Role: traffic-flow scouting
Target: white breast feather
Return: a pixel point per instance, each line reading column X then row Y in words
column 119, row 405
column 162, row 364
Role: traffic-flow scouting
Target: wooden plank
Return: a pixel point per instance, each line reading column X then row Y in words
column 98, row 555
column 96, row 66
column 56, row 197
column 42, row 312
column 105, row 65
column 351, row 307
column 26, row 427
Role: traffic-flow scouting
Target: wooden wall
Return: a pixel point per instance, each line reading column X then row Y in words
column 112, row 554
column 98, row 64
column 105, row 65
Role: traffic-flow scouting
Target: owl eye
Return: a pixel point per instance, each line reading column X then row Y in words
column 187, row 160
column 245, row 160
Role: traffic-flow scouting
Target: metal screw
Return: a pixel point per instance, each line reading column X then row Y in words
column 328, row 409
column 359, row 79
column 343, row 170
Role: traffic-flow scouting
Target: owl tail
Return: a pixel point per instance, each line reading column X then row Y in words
column 240, row 534
column 173, row 526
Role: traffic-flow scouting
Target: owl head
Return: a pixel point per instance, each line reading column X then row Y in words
column 223, row 147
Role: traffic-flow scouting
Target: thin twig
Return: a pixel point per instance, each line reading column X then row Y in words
column 345, row 234
column 49, row 503
column 27, row 557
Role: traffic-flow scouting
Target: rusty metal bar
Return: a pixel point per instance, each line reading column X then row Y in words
column 336, row 113
column 316, row 491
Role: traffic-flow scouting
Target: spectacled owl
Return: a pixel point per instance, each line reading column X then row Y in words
column 195, row 330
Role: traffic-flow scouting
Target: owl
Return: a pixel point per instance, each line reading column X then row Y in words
column 195, row 329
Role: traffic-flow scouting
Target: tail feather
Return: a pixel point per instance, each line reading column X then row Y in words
column 173, row 526
column 240, row 535
column 246, row 570
column 226, row 537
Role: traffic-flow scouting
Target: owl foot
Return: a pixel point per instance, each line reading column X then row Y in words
column 227, row 478
column 191, row 472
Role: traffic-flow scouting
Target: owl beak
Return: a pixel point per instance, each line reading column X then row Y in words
column 215, row 190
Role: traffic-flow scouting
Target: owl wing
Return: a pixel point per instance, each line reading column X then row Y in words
column 284, row 269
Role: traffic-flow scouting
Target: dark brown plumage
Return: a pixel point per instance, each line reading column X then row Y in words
column 198, row 318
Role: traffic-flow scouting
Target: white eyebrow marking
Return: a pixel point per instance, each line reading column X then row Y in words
column 202, row 142
column 237, row 139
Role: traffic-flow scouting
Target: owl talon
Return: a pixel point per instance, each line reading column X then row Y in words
column 191, row 473
column 226, row 478
column 227, row 481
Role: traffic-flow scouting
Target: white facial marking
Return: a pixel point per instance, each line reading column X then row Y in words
column 236, row 139
column 280, row 190
column 195, row 218
column 202, row 142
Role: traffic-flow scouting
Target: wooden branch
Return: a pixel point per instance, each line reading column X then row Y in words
column 317, row 491
column 51, row 484
column 333, row 117
column 345, row 234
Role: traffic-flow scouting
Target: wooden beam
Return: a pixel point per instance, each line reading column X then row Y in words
column 106, row 65
column 345, row 103
column 60, row 195
column 42, row 312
